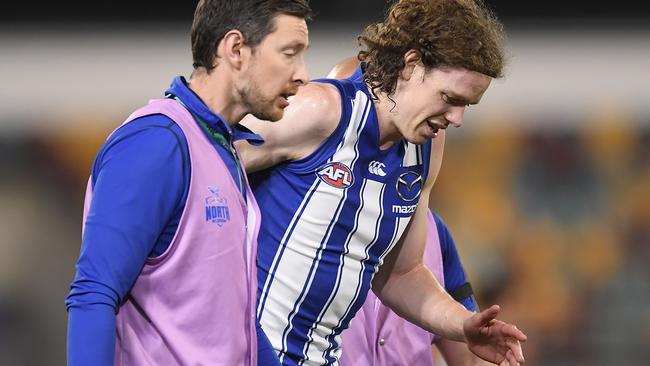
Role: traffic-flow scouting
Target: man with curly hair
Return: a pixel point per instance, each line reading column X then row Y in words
column 377, row 336
column 340, row 177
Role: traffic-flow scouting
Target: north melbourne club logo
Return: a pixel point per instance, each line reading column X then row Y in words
column 337, row 175
column 377, row 168
column 409, row 186
column 216, row 208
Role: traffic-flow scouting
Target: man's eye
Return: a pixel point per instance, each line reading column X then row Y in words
column 452, row 101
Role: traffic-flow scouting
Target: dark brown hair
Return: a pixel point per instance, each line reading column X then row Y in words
column 455, row 33
column 254, row 18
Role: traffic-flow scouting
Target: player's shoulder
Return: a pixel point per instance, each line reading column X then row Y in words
column 321, row 94
column 318, row 104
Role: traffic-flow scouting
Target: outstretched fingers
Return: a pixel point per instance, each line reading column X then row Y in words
column 515, row 350
column 510, row 330
column 510, row 357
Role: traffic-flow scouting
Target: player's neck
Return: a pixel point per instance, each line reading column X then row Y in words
column 388, row 133
column 216, row 91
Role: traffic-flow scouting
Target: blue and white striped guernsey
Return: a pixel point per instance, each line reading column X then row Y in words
column 327, row 223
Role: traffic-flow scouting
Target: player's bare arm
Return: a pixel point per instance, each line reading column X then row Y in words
column 405, row 285
column 344, row 69
column 457, row 354
column 311, row 117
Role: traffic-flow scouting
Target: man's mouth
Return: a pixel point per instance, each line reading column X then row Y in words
column 286, row 96
column 435, row 127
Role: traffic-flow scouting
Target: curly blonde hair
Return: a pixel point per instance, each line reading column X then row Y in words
column 455, row 33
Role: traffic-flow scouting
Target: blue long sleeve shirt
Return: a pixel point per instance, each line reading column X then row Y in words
column 140, row 181
column 453, row 271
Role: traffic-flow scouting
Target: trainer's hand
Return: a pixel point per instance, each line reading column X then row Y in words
column 492, row 339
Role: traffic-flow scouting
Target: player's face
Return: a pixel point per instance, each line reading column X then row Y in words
column 435, row 99
column 277, row 68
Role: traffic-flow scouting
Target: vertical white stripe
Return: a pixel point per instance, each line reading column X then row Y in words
column 366, row 234
column 269, row 279
column 411, row 155
column 313, row 268
column 303, row 243
column 316, row 359
column 400, row 225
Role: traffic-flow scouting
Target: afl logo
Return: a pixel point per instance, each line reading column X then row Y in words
column 337, row 175
column 409, row 186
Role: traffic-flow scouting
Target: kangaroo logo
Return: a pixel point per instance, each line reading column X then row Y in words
column 216, row 208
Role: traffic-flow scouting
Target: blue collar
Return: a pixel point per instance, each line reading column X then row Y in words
column 179, row 89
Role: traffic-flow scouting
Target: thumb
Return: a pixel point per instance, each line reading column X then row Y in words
column 487, row 315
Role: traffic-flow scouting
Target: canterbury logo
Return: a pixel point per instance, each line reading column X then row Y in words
column 376, row 168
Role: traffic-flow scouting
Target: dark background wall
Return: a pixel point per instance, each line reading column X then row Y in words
column 326, row 10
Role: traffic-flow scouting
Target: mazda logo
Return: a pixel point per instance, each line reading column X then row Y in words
column 409, row 186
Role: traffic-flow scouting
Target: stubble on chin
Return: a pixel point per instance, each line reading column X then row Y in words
column 256, row 105
column 266, row 110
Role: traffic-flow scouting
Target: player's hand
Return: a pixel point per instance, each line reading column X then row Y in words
column 492, row 339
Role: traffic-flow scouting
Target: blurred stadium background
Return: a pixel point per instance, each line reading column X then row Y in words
column 546, row 187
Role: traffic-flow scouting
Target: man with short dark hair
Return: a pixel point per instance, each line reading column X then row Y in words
column 167, row 271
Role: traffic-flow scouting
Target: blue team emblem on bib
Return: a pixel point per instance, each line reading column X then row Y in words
column 409, row 186
column 216, row 208
column 336, row 174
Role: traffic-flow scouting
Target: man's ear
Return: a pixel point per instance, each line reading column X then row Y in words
column 411, row 59
column 233, row 49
